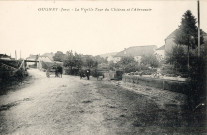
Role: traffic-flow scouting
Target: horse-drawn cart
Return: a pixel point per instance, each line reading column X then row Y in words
column 50, row 71
column 54, row 70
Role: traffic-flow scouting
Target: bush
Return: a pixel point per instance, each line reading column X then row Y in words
column 96, row 73
column 73, row 71
column 149, row 71
column 178, row 58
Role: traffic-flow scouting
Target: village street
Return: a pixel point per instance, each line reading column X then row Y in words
column 70, row 106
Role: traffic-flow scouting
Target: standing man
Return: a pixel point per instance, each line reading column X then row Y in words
column 48, row 72
column 60, row 70
column 56, row 72
column 88, row 74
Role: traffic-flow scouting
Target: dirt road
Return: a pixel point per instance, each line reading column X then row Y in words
column 70, row 106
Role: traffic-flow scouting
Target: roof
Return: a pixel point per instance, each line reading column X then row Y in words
column 50, row 55
column 5, row 56
column 32, row 57
column 161, row 48
column 204, row 33
column 137, row 51
column 108, row 54
column 172, row 35
column 45, row 59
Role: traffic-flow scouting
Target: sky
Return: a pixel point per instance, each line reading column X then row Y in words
column 26, row 27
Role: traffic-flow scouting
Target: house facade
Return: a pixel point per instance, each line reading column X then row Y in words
column 160, row 53
column 169, row 42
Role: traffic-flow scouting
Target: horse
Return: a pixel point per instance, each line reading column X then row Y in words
column 59, row 71
column 84, row 73
column 81, row 74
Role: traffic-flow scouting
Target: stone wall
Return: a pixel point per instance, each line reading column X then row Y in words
column 171, row 85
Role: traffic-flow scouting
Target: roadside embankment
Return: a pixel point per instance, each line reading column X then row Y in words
column 9, row 81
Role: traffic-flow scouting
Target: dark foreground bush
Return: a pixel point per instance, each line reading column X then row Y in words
column 9, row 78
column 197, row 73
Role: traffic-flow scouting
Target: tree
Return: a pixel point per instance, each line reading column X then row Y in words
column 177, row 57
column 89, row 62
column 128, row 64
column 77, row 60
column 150, row 60
column 59, row 56
column 113, row 66
column 126, row 60
column 100, row 60
column 72, row 60
column 187, row 33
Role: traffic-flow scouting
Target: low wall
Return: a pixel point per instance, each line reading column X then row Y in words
column 171, row 85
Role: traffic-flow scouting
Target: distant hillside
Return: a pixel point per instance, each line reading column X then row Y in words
column 108, row 54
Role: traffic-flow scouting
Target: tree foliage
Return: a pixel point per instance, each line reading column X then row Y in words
column 150, row 60
column 126, row 60
column 127, row 64
column 177, row 57
column 59, row 56
column 72, row 60
column 187, row 34
column 100, row 60
column 89, row 61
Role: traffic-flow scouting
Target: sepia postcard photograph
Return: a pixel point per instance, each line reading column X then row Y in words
column 95, row 67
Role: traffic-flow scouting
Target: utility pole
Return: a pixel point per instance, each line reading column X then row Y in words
column 20, row 54
column 199, row 29
column 15, row 55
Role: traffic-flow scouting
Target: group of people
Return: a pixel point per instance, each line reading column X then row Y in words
column 58, row 70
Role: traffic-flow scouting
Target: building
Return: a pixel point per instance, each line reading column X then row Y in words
column 49, row 55
column 160, row 53
column 45, row 62
column 32, row 58
column 5, row 57
column 136, row 52
column 108, row 56
column 170, row 43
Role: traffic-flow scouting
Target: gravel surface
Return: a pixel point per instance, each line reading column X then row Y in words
column 68, row 105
